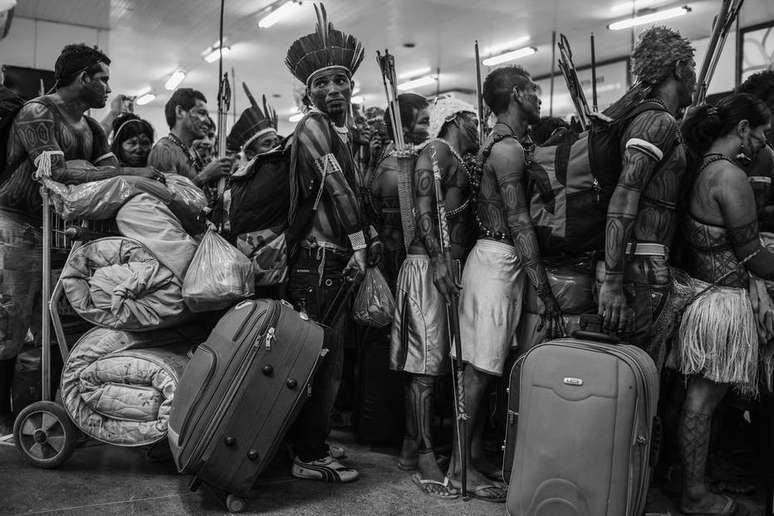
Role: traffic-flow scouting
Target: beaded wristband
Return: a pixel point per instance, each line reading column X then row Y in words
column 357, row 240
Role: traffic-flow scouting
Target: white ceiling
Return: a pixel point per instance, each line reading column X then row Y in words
column 149, row 39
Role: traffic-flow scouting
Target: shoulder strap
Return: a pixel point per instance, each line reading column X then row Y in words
column 486, row 151
column 642, row 107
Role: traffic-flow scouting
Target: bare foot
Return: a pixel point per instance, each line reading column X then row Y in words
column 430, row 479
column 478, row 485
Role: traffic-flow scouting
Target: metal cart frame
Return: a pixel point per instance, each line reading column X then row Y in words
column 43, row 432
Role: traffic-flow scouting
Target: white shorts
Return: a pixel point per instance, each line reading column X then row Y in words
column 490, row 305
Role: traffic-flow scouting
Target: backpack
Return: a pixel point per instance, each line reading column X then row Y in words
column 258, row 214
column 10, row 104
column 570, row 181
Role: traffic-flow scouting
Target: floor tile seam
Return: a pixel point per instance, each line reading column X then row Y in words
column 117, row 502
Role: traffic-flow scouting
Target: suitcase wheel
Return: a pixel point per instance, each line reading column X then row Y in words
column 235, row 503
column 44, row 434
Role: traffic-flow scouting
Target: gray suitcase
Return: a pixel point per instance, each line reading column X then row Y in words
column 580, row 425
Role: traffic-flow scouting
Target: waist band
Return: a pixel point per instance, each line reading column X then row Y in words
column 328, row 246
column 495, row 245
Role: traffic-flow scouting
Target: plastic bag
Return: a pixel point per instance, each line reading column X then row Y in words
column 187, row 193
column 218, row 276
column 99, row 200
column 267, row 249
column 374, row 304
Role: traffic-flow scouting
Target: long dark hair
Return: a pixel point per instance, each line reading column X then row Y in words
column 702, row 126
column 128, row 126
column 706, row 123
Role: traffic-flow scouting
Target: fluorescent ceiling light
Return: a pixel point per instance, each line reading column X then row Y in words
column 509, row 45
column 144, row 99
column 296, row 118
column 509, row 56
column 415, row 73
column 417, row 83
column 626, row 7
column 214, row 54
column 650, row 18
column 175, row 79
column 294, row 110
column 358, row 99
column 285, row 10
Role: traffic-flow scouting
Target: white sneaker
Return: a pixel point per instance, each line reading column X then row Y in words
column 326, row 469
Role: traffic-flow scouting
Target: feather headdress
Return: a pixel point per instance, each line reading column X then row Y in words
column 324, row 49
column 253, row 123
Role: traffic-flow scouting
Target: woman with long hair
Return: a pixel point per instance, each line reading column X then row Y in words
column 718, row 338
column 132, row 140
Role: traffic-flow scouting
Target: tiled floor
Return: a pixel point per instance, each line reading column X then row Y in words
column 105, row 480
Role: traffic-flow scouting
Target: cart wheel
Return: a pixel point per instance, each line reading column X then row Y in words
column 235, row 503
column 44, row 434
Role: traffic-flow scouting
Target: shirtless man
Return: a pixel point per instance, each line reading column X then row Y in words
column 381, row 389
column 326, row 239
column 46, row 134
column 492, row 284
column 420, row 340
column 641, row 219
column 382, row 183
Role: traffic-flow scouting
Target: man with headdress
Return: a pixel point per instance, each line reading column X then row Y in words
column 420, row 339
column 51, row 136
column 257, row 199
column 326, row 238
column 255, row 132
column 641, row 217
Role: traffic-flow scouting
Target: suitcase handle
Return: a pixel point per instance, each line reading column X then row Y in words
column 596, row 336
column 591, row 329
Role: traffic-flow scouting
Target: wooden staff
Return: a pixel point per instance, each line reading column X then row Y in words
column 479, row 97
column 594, row 103
column 452, row 312
column 224, row 102
column 553, row 67
column 729, row 11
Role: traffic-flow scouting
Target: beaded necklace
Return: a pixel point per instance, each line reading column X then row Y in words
column 657, row 101
column 193, row 157
column 713, row 157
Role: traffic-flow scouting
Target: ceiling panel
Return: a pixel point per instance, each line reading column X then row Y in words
column 89, row 13
column 149, row 39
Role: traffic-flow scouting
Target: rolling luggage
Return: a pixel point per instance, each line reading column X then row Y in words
column 579, row 428
column 241, row 391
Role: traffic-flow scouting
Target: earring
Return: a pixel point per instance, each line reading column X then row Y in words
column 742, row 157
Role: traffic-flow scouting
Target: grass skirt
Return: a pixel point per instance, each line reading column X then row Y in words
column 718, row 339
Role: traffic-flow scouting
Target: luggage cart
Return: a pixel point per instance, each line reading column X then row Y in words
column 43, row 432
